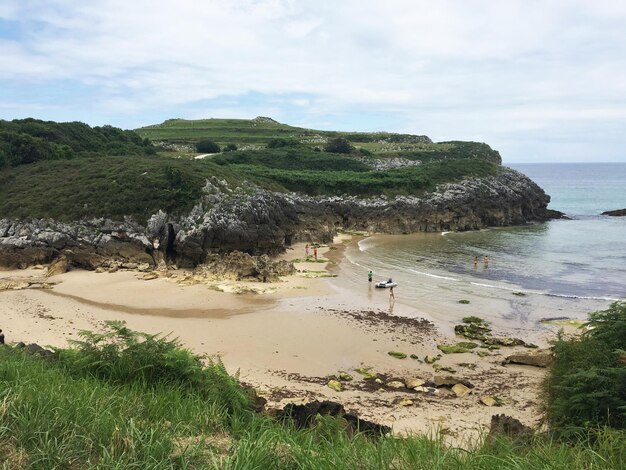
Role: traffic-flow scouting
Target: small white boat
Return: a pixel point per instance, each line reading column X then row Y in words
column 386, row 284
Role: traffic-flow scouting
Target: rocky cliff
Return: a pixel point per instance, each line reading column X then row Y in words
column 258, row 221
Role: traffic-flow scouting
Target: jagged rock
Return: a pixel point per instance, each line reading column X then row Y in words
column 503, row 425
column 149, row 276
column 450, row 381
column 58, row 266
column 537, row 359
column 303, row 416
column 461, row 390
column 616, row 213
column 431, row 390
column 37, row 350
column 258, row 221
column 405, row 402
column 395, row 384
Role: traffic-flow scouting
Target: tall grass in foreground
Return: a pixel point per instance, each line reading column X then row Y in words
column 109, row 404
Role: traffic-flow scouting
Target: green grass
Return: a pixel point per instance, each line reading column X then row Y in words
column 68, row 414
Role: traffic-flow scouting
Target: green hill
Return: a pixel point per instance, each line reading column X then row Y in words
column 68, row 171
column 259, row 132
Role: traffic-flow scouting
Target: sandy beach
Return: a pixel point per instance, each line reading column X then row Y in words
column 289, row 338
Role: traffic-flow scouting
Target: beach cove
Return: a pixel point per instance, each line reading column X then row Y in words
column 290, row 341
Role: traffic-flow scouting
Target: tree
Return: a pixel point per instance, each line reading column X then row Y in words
column 207, row 146
column 338, row 145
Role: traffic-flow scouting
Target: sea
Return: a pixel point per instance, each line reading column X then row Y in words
column 557, row 269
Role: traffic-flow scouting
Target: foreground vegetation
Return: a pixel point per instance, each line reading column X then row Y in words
column 122, row 399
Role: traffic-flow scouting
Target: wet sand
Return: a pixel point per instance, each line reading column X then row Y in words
column 289, row 341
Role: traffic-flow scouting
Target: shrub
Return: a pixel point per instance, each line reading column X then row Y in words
column 207, row 146
column 123, row 356
column 230, row 148
column 338, row 145
column 587, row 382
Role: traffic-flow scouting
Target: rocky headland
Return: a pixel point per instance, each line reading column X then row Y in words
column 258, row 222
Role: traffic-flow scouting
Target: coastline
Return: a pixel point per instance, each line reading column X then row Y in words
column 290, row 341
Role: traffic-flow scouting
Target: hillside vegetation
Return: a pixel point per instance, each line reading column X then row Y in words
column 68, row 171
column 261, row 131
column 123, row 399
column 24, row 141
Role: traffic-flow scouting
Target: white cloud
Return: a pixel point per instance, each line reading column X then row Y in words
column 451, row 68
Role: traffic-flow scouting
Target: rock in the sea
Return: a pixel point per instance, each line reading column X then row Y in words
column 616, row 213
column 537, row 359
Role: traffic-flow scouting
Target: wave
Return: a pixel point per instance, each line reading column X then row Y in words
column 547, row 294
column 436, row 276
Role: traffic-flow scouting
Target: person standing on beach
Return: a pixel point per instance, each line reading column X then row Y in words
column 475, row 260
column 315, row 251
column 370, row 275
column 392, row 297
column 306, row 250
column 1, row 337
column 486, row 260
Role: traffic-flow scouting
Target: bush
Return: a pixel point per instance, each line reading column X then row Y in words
column 230, row 148
column 587, row 382
column 338, row 145
column 207, row 146
column 123, row 356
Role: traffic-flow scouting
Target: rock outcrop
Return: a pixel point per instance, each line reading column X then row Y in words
column 257, row 221
column 616, row 213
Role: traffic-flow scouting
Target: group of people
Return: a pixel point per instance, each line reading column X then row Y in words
column 306, row 250
column 485, row 261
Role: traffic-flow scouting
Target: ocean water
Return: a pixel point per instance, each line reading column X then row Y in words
column 538, row 269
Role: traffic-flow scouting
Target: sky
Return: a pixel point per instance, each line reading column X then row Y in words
column 540, row 81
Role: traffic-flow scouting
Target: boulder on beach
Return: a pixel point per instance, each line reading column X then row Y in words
column 538, row 359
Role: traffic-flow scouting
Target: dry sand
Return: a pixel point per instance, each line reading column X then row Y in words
column 287, row 342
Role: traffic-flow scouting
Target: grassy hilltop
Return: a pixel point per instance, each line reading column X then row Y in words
column 68, row 171
column 259, row 132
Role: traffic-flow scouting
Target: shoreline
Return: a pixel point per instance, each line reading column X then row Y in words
column 289, row 342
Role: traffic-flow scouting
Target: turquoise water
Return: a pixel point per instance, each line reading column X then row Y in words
column 580, row 258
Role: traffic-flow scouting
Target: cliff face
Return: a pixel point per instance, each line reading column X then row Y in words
column 258, row 221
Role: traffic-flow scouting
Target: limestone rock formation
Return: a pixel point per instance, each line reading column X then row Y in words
column 258, row 221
